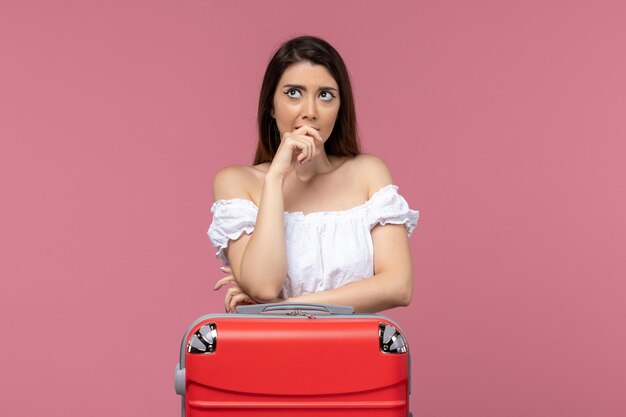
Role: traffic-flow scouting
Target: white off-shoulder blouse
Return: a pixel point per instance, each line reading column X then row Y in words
column 325, row 249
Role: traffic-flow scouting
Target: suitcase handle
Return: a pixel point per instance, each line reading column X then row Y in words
column 291, row 309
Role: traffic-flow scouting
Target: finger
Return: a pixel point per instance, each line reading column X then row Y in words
column 312, row 150
column 232, row 291
column 227, row 303
column 305, row 157
column 238, row 299
column 223, row 281
column 302, row 157
column 304, row 151
column 312, row 136
column 226, row 269
column 307, row 150
column 311, row 132
column 301, row 145
column 306, row 146
column 226, row 279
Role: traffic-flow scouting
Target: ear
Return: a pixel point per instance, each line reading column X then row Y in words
column 272, row 114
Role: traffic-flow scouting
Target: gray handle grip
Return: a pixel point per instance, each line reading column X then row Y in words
column 284, row 309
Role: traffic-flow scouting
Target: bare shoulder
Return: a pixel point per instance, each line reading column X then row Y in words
column 375, row 171
column 232, row 181
column 368, row 160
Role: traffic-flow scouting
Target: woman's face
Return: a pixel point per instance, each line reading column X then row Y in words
column 307, row 94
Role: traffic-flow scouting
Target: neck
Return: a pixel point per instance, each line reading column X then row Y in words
column 320, row 165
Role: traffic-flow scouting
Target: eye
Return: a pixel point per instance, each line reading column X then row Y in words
column 330, row 96
column 290, row 90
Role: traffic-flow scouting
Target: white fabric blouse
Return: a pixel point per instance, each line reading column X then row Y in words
column 325, row 249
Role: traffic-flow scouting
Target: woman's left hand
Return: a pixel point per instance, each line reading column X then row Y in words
column 234, row 296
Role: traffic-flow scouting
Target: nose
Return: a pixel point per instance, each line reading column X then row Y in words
column 309, row 108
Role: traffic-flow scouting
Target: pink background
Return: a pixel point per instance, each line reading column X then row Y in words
column 502, row 122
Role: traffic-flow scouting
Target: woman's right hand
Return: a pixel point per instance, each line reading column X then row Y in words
column 297, row 147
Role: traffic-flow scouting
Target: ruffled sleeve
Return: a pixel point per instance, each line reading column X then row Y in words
column 387, row 206
column 231, row 218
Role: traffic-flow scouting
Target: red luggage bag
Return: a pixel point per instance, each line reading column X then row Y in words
column 289, row 359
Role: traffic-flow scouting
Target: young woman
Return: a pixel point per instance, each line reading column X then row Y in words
column 313, row 220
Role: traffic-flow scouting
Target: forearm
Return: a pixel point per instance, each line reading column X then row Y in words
column 264, row 261
column 368, row 295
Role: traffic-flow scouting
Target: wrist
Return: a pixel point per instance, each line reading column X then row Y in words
column 274, row 178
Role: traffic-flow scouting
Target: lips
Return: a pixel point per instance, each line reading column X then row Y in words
column 298, row 127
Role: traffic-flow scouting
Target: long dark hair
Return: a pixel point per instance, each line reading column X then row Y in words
column 344, row 139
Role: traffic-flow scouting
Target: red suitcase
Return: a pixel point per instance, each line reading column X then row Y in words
column 288, row 359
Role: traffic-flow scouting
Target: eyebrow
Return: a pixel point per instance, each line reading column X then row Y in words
column 304, row 88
